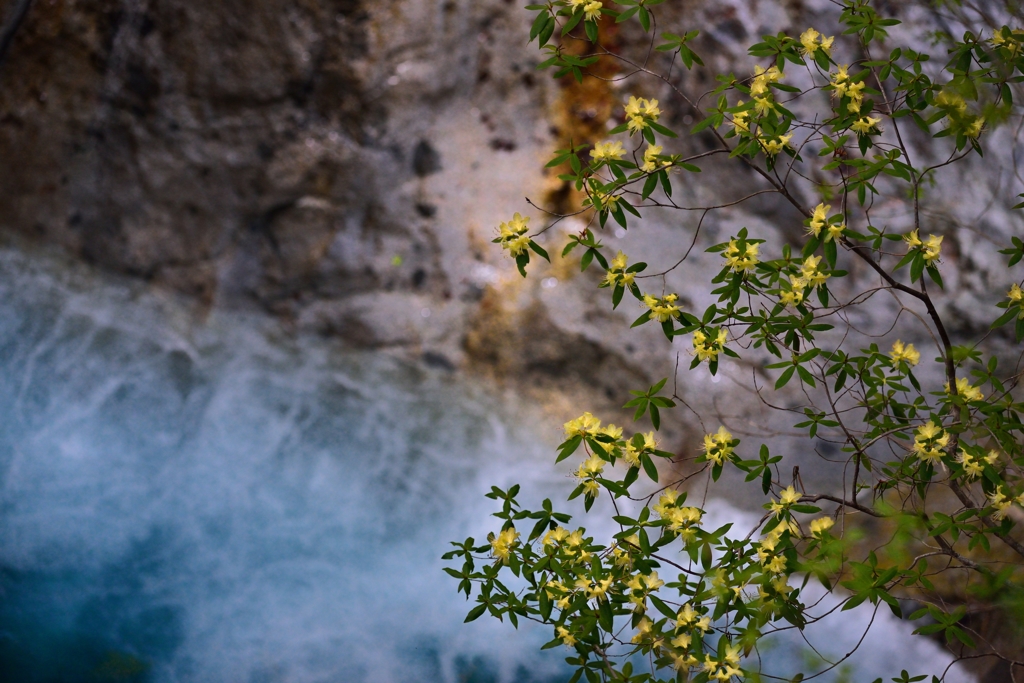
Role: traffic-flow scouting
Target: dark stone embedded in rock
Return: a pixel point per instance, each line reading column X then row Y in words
column 425, row 159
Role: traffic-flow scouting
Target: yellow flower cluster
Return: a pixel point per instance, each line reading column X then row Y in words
column 651, row 155
column 929, row 440
column 604, row 199
column 502, row 544
column 640, row 112
column 617, row 274
column 974, row 466
column 591, row 8
column 741, row 259
column 931, row 247
column 967, row 390
column 1011, row 43
column 609, row 150
column 866, row 125
column 641, row 585
column 718, row 446
column 811, row 41
column 821, row 525
column 513, row 235
column 844, row 87
column 772, row 562
column 998, row 500
column 707, row 346
column 763, row 78
column 904, row 354
column 584, row 425
column 631, row 454
column 820, row 219
column 773, row 147
column 956, row 111
column 791, row 297
column 810, row 274
column 690, row 619
column 595, row 589
column 680, row 519
column 664, row 308
column 788, row 497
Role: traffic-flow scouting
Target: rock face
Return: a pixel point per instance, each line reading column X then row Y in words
column 342, row 164
column 299, row 155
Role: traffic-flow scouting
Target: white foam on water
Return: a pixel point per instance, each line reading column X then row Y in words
column 212, row 500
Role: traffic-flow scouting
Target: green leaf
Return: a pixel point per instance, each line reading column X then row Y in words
column 475, row 613
column 649, row 467
column 786, row 376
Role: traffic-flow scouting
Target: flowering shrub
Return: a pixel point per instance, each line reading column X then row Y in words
column 937, row 455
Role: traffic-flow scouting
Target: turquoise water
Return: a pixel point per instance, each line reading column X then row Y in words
column 190, row 497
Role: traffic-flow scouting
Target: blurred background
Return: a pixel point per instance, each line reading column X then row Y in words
column 259, row 361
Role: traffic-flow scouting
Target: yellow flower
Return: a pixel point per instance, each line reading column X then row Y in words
column 556, row 535
column 789, row 496
column 502, row 544
column 810, row 273
column 682, row 641
column 901, row 353
column 643, row 630
column 912, row 240
column 612, row 431
column 590, row 467
column 585, row 424
column 865, row 125
column 791, row 297
column 840, row 80
column 663, row 309
column 763, row 105
column 608, row 151
column 686, row 616
column 718, row 446
column 811, row 41
column 651, row 159
column 929, row 441
column 1000, row 502
column 592, row 10
column 821, row 525
column 567, row 638
column 967, row 390
column 819, row 219
column 640, row 112
column 707, row 348
column 1016, row 294
column 668, row 498
column 973, row 129
column 741, row 260
column 777, row 564
column 513, row 235
column 932, row 247
column 739, row 120
column 762, row 79
column 973, row 467
column 773, row 147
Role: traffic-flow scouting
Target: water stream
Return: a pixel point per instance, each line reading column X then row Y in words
column 205, row 498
